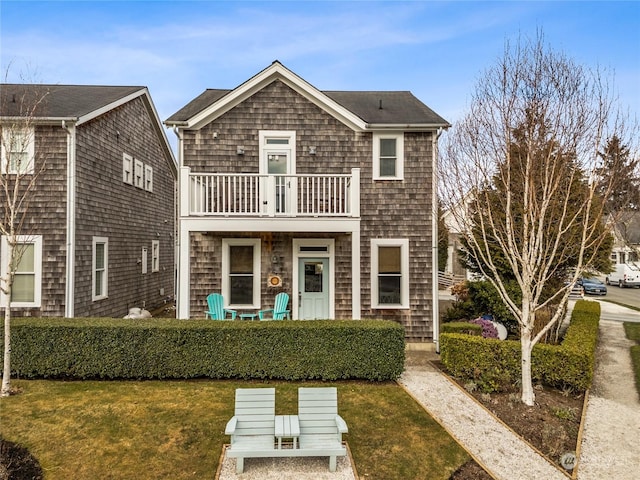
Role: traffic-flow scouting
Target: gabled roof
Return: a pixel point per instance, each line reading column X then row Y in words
column 62, row 101
column 358, row 109
column 74, row 103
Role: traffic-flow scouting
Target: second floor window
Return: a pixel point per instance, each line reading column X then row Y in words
column 388, row 156
column 18, row 150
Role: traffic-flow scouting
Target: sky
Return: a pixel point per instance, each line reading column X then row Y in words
column 437, row 50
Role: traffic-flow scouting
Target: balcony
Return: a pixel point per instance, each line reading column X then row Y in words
column 255, row 195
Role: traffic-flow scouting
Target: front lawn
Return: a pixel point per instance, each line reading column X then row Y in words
column 175, row 429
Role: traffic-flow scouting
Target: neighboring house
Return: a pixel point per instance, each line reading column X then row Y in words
column 325, row 195
column 100, row 228
column 454, row 220
column 626, row 235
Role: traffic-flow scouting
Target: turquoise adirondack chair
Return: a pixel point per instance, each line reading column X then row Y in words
column 279, row 310
column 216, row 311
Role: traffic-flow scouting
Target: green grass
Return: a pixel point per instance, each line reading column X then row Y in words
column 175, row 429
column 633, row 333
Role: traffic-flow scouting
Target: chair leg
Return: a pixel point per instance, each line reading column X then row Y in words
column 332, row 464
column 239, row 465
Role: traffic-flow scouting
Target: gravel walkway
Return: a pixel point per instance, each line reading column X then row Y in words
column 501, row 452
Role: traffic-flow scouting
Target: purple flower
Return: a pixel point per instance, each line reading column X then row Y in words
column 488, row 328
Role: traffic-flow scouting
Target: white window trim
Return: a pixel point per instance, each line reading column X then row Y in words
column 403, row 243
column 9, row 136
column 105, row 293
column 148, row 178
column 155, row 255
column 399, row 137
column 127, row 169
column 226, row 287
column 264, row 135
column 138, row 173
column 36, row 240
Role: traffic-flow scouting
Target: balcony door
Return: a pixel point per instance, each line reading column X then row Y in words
column 277, row 160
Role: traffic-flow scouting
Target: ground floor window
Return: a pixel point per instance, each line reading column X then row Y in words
column 100, row 268
column 27, row 281
column 389, row 273
column 241, row 272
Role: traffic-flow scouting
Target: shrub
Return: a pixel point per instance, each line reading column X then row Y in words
column 495, row 365
column 155, row 348
column 489, row 330
column 461, row 327
column 474, row 299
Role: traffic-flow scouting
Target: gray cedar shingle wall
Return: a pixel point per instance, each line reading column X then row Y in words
column 388, row 209
column 47, row 217
column 130, row 217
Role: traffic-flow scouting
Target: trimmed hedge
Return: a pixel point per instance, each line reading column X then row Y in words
column 461, row 327
column 495, row 365
column 157, row 348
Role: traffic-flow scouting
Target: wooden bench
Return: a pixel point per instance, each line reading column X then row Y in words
column 253, row 430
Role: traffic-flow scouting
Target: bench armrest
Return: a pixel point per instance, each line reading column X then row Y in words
column 231, row 426
column 341, row 424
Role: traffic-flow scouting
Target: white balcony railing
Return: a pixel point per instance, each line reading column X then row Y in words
column 247, row 194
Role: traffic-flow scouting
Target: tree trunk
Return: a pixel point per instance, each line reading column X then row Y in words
column 6, row 367
column 528, row 397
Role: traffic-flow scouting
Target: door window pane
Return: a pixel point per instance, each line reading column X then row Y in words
column 313, row 277
column 276, row 163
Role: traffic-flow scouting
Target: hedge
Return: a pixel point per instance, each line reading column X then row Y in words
column 495, row 365
column 461, row 327
column 157, row 348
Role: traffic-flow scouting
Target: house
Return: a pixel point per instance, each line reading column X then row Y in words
column 626, row 236
column 99, row 233
column 326, row 195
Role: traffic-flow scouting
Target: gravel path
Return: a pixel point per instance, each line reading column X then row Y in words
column 504, row 454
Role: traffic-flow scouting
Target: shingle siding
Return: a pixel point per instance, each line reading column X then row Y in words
column 46, row 216
column 389, row 209
column 130, row 217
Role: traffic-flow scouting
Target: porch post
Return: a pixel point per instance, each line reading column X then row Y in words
column 355, row 274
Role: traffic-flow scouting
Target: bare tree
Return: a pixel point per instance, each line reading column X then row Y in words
column 524, row 161
column 19, row 171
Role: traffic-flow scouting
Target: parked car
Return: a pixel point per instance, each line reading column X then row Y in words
column 625, row 275
column 592, row 286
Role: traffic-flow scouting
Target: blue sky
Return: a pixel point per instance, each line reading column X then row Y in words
column 437, row 50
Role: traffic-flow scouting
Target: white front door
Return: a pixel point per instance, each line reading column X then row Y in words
column 313, row 288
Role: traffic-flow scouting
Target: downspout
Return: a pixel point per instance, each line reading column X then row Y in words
column 434, row 242
column 179, row 298
column 69, row 294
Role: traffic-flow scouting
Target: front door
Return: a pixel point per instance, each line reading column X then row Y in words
column 313, row 288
